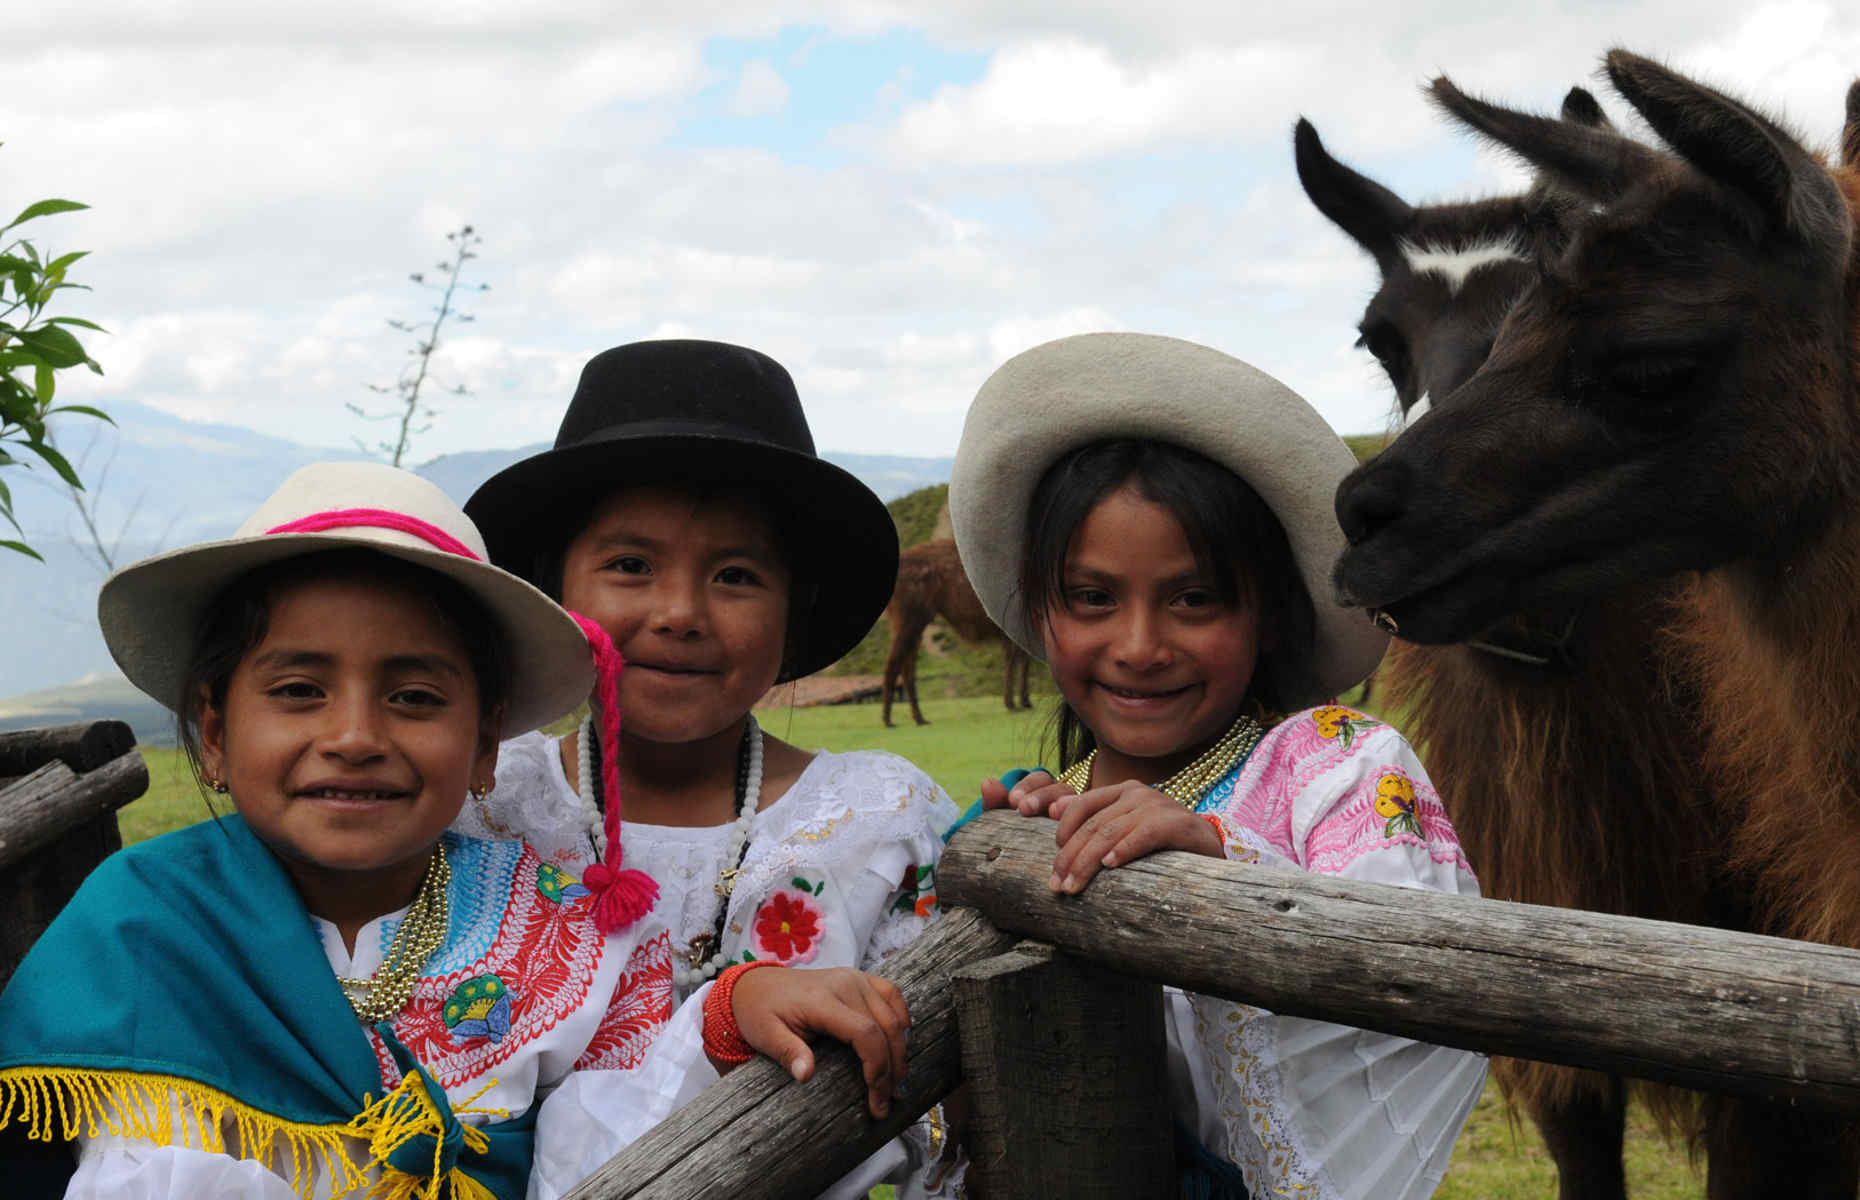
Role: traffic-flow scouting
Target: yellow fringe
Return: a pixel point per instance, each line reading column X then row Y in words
column 57, row 1104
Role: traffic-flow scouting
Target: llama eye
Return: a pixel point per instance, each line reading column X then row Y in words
column 1653, row 389
column 1385, row 342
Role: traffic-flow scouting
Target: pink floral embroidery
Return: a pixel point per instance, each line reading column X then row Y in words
column 1389, row 808
column 788, row 927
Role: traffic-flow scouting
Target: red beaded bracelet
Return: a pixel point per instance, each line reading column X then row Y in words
column 1220, row 830
column 723, row 1040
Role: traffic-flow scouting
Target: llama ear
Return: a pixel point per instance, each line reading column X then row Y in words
column 1594, row 162
column 1730, row 143
column 1373, row 216
column 1581, row 107
column 1850, row 131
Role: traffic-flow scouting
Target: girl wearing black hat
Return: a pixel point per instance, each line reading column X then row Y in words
column 684, row 510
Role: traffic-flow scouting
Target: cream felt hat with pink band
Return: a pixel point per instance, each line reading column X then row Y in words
column 150, row 611
column 1043, row 403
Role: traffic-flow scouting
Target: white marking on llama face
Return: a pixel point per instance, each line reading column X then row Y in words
column 1416, row 411
column 1456, row 263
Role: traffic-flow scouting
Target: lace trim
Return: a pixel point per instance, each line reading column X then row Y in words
column 1261, row 1140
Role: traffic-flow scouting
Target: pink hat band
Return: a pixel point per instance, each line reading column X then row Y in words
column 377, row 518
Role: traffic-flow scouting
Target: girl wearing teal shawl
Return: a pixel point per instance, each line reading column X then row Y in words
column 327, row 994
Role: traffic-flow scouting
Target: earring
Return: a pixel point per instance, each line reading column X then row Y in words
column 478, row 792
column 218, row 786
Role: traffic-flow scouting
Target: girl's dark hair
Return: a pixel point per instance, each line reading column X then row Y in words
column 238, row 618
column 1237, row 540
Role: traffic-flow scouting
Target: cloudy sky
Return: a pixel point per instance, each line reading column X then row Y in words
column 889, row 198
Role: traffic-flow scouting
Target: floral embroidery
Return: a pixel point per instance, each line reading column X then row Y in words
column 479, row 1008
column 1395, row 800
column 788, row 926
column 557, row 884
column 917, row 891
column 1342, row 724
column 545, row 956
column 638, row 1011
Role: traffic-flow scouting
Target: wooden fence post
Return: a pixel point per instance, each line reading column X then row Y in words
column 60, row 788
column 1067, row 1083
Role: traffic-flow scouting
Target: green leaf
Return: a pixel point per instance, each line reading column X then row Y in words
column 50, row 454
column 802, row 884
column 85, row 409
column 45, row 382
column 58, row 265
column 45, row 208
column 80, row 322
column 24, row 549
column 54, row 346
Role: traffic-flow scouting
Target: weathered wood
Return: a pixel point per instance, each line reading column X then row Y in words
column 759, row 1133
column 53, row 800
column 36, row 890
column 1703, row 1008
column 82, row 747
column 1066, row 1077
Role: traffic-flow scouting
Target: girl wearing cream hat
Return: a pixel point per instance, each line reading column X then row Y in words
column 1153, row 519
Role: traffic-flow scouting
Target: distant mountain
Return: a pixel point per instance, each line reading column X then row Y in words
column 158, row 482
column 104, row 696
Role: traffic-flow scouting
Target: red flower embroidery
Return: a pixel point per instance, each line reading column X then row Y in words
column 788, row 927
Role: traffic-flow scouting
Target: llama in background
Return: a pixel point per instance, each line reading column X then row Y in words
column 931, row 584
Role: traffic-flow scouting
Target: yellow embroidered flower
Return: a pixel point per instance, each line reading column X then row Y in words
column 1335, row 722
column 1395, row 801
column 1330, row 720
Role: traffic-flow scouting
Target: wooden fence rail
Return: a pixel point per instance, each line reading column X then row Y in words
column 759, row 1133
column 60, row 788
column 1704, row 1008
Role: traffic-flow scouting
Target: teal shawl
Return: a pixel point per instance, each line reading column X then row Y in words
column 185, row 979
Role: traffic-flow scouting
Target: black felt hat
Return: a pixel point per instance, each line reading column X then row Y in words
column 699, row 414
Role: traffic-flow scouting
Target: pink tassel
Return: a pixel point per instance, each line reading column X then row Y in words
column 621, row 896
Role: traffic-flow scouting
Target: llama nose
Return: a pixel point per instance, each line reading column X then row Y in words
column 1371, row 497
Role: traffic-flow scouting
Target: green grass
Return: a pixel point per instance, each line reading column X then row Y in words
column 972, row 738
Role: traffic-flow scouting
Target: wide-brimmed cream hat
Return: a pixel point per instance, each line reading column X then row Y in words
column 1056, row 397
column 149, row 610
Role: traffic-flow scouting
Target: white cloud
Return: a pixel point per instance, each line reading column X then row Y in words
column 760, row 90
column 1060, row 100
column 264, row 179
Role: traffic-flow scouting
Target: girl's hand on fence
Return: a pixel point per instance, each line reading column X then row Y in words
column 1110, row 826
column 1031, row 796
column 777, row 1010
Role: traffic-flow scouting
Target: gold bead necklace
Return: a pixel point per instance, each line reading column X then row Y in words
column 1187, row 786
column 422, row 931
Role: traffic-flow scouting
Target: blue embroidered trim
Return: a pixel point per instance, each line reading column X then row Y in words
column 482, row 872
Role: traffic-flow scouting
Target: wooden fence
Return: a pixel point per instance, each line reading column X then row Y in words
column 1060, row 1039
column 60, row 788
column 1704, row 1008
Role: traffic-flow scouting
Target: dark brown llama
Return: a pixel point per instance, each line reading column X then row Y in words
column 1558, row 742
column 931, row 584
column 1672, row 402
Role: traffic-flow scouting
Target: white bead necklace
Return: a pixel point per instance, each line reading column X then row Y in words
column 705, row 956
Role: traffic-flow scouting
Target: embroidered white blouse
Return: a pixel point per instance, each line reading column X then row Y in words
column 840, row 871
column 522, row 992
column 1304, row 1107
